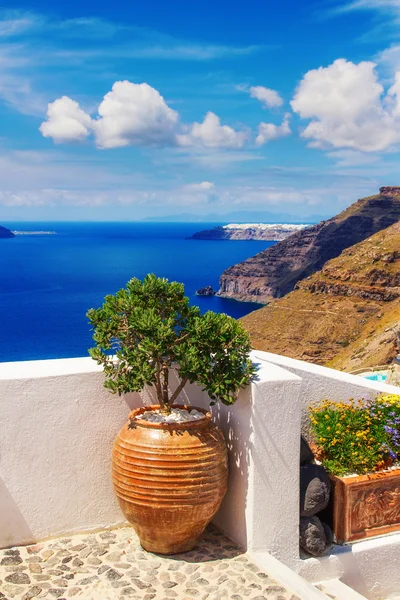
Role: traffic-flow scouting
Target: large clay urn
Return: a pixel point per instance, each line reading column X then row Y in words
column 170, row 479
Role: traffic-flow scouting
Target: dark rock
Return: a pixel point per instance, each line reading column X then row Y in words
column 312, row 536
column 18, row 578
column 103, row 569
column 113, row 575
column 206, row 291
column 67, row 559
column 328, row 534
column 306, row 454
column 11, row 560
column 315, row 488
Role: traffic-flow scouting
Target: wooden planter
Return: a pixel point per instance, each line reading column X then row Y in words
column 366, row 505
column 170, row 479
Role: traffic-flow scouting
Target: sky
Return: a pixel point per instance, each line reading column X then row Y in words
column 209, row 110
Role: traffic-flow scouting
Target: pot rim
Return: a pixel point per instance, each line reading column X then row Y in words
column 377, row 475
column 183, row 425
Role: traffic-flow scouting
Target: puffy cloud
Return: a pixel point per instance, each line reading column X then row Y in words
column 269, row 131
column 269, row 97
column 344, row 102
column 211, row 134
column 134, row 114
column 66, row 121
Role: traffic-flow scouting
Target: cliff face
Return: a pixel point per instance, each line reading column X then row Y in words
column 275, row 271
column 6, row 233
column 345, row 316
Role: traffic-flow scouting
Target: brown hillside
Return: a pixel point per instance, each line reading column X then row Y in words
column 275, row 271
column 343, row 315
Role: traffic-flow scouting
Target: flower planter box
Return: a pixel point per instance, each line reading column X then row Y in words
column 366, row 505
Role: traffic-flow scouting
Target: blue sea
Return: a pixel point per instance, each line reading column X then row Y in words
column 48, row 282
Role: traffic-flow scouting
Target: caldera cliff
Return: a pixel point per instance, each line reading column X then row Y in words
column 346, row 316
column 275, row 271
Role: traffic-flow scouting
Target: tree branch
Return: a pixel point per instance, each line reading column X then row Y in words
column 178, row 390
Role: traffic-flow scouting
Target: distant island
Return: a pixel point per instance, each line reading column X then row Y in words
column 34, row 232
column 6, row 233
column 249, row 231
column 206, row 291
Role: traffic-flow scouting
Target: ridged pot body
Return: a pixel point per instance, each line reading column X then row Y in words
column 170, row 479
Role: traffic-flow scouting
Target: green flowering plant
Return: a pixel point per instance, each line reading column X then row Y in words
column 149, row 327
column 357, row 436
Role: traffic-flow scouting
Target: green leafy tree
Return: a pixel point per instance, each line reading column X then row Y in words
column 149, row 327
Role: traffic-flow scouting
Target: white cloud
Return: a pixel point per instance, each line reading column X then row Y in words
column 13, row 23
column 199, row 187
column 134, row 114
column 269, row 97
column 347, row 107
column 211, row 134
column 186, row 51
column 369, row 5
column 352, row 158
column 66, row 121
column 268, row 131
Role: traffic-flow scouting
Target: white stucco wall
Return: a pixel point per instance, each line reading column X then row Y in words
column 323, row 383
column 56, row 432
column 55, row 445
column 57, row 428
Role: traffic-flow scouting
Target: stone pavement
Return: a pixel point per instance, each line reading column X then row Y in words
column 111, row 565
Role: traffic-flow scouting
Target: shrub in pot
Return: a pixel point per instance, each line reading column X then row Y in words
column 359, row 444
column 169, row 461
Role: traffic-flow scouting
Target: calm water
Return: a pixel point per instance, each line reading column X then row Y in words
column 47, row 283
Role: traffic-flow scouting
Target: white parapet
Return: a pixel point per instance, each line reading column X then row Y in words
column 57, row 428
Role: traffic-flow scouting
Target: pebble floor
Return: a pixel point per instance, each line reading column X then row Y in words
column 111, row 565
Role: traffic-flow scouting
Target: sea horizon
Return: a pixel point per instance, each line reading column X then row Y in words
column 50, row 281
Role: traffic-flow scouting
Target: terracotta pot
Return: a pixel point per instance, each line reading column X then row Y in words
column 169, row 479
column 366, row 505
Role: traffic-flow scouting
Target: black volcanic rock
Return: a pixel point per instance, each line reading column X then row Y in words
column 274, row 272
column 315, row 487
column 206, row 291
column 6, row 233
column 315, row 536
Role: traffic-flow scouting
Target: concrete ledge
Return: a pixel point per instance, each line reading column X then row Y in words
column 303, row 368
column 34, row 369
column 369, row 567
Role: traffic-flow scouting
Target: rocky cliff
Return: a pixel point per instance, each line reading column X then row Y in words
column 248, row 231
column 275, row 271
column 346, row 316
column 6, row 233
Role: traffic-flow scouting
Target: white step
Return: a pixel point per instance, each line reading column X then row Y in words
column 337, row 590
column 289, row 578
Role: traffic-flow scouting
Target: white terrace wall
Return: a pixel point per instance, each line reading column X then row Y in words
column 321, row 382
column 58, row 424
column 56, row 433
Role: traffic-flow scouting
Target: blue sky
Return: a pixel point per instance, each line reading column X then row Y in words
column 206, row 110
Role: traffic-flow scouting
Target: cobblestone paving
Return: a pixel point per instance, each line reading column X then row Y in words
column 111, row 565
